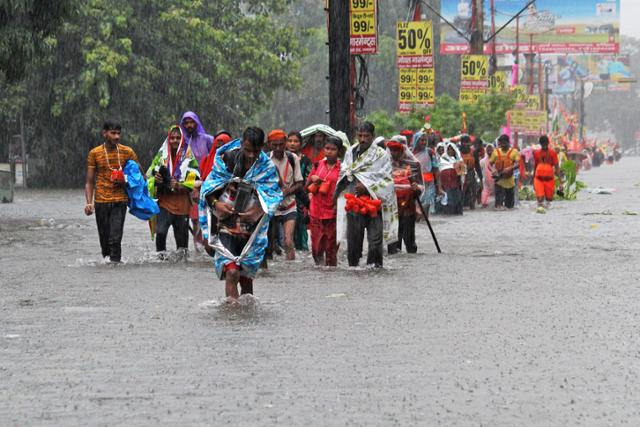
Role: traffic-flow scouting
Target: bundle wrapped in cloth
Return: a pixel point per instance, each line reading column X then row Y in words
column 363, row 205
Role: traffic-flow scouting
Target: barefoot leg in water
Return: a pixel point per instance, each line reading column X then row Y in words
column 246, row 285
column 232, row 277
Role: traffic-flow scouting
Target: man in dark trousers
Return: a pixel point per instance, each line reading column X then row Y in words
column 104, row 189
column 367, row 172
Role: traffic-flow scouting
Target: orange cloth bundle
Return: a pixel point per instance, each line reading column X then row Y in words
column 363, row 205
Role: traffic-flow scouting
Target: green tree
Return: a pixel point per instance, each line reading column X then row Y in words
column 144, row 63
column 24, row 26
column 446, row 116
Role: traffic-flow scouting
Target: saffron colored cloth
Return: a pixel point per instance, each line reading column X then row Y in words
column 323, row 241
column 406, row 171
column 262, row 175
column 372, row 168
column 323, row 205
column 207, row 164
column 544, row 189
column 549, row 157
column 199, row 141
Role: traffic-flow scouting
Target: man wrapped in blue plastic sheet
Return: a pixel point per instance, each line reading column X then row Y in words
column 242, row 194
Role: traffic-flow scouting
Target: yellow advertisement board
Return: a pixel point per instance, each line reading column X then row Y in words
column 528, row 122
column 498, row 81
column 474, row 67
column 416, row 87
column 414, row 44
column 363, row 23
column 416, row 75
column 474, row 70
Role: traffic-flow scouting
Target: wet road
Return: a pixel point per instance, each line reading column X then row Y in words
column 526, row 319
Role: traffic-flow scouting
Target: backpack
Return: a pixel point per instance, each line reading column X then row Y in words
column 503, row 163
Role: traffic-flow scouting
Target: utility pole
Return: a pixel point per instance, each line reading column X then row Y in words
column 494, row 59
column 477, row 27
column 530, row 68
column 340, row 72
column 23, row 147
column 582, row 113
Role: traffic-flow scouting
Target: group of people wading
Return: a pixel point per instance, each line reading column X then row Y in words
column 258, row 195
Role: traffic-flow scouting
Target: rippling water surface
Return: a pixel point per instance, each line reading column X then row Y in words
column 525, row 319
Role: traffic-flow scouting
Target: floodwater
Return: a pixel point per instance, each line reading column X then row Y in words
column 525, row 319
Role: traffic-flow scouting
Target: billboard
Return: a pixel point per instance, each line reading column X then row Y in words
column 363, row 24
column 414, row 58
column 606, row 72
column 547, row 27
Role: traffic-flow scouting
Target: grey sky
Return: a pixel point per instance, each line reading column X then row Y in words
column 630, row 16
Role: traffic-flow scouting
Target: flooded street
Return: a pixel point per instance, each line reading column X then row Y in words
column 525, row 319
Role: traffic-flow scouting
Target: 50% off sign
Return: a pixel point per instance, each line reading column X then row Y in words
column 474, row 81
column 474, row 67
column 414, row 44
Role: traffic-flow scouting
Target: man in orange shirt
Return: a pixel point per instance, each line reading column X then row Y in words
column 546, row 169
column 108, row 197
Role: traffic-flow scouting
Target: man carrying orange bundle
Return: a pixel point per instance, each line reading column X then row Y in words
column 546, row 169
column 365, row 179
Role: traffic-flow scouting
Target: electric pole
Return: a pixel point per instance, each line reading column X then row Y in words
column 477, row 27
column 339, row 67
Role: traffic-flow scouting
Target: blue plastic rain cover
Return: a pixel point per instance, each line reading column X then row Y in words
column 140, row 204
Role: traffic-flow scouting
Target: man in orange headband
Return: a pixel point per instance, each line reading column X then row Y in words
column 291, row 181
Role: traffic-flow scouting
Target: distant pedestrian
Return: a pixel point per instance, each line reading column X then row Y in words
column 546, row 171
column 505, row 160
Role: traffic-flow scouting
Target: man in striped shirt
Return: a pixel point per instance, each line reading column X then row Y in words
column 104, row 189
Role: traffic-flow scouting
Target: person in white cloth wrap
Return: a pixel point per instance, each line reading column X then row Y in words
column 366, row 170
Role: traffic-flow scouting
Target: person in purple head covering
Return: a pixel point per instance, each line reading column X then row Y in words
column 197, row 138
column 200, row 142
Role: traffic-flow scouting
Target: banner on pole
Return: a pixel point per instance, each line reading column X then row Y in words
column 363, row 19
column 529, row 122
column 416, row 75
column 473, row 78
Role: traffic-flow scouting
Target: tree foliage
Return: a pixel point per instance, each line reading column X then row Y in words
column 144, row 63
column 24, row 25
column 446, row 116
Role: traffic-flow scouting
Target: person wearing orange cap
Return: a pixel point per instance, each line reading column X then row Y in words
column 291, row 181
column 409, row 184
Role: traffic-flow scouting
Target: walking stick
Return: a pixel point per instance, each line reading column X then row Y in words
column 426, row 218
